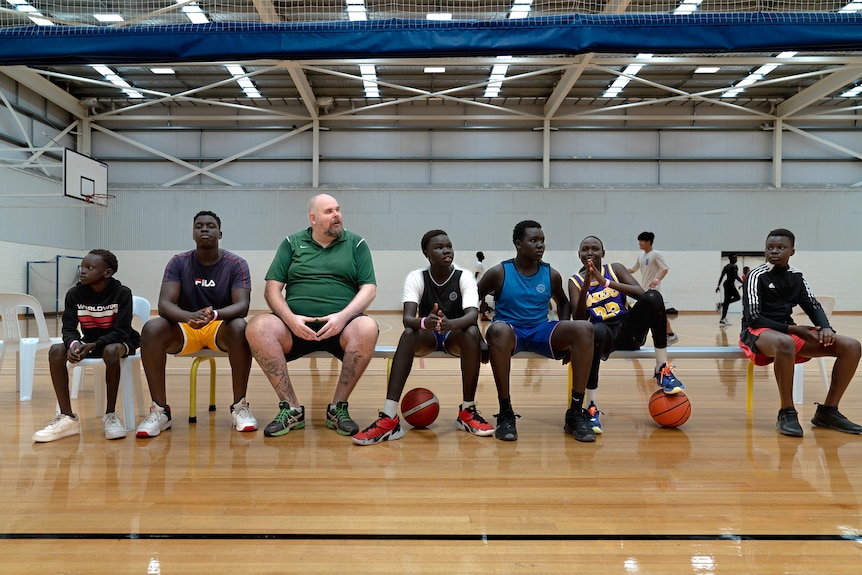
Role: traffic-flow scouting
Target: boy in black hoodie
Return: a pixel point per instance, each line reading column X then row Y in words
column 102, row 306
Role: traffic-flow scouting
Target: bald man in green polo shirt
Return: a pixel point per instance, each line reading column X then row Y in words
column 318, row 287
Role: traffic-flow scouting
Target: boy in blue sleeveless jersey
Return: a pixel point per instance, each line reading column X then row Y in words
column 440, row 313
column 523, row 287
column 615, row 326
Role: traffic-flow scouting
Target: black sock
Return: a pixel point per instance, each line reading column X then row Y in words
column 577, row 401
column 505, row 405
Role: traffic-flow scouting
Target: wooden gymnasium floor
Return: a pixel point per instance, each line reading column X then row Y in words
column 723, row 494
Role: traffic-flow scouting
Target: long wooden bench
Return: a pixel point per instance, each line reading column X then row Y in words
column 387, row 352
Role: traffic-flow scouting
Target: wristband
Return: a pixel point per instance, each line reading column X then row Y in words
column 422, row 323
column 74, row 342
column 607, row 283
column 215, row 315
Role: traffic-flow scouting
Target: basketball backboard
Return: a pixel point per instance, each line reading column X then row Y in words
column 84, row 178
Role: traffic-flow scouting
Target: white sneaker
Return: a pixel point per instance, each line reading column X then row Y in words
column 724, row 321
column 112, row 427
column 240, row 412
column 158, row 420
column 672, row 339
column 59, row 427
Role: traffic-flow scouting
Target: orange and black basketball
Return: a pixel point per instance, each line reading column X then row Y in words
column 669, row 410
column 420, row 407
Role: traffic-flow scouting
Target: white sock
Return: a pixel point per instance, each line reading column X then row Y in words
column 590, row 396
column 660, row 358
column 467, row 404
column 390, row 408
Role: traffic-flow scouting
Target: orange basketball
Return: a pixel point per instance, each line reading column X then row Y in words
column 669, row 410
column 420, row 407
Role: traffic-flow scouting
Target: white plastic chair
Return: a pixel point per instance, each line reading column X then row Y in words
column 131, row 390
column 800, row 318
column 25, row 348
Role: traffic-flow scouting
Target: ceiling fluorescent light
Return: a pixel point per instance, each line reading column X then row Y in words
column 108, row 17
column 162, row 70
column 432, row 70
column 753, row 79
column 787, row 54
column 35, row 18
column 707, row 70
column 438, row 16
column 194, row 13
column 103, row 70
column 765, row 69
column 235, row 70
column 357, row 13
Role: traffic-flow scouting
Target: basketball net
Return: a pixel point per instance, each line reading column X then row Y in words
column 102, row 202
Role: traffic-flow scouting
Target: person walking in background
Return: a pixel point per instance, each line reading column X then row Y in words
column 653, row 270
column 480, row 271
column 731, row 274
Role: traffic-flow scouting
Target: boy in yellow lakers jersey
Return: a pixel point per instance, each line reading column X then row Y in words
column 615, row 325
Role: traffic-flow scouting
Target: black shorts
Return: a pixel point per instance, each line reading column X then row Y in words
column 332, row 345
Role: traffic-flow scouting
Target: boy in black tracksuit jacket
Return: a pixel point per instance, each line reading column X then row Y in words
column 769, row 335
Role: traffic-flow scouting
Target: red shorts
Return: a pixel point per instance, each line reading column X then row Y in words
column 760, row 359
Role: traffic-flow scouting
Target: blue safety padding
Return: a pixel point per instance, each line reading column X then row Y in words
column 656, row 33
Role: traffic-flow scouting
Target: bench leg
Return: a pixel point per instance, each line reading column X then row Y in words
column 193, row 387
column 749, row 400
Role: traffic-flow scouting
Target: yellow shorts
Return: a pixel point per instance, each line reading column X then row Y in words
column 198, row 339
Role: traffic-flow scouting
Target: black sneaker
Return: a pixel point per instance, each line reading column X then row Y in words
column 506, row 426
column 788, row 422
column 286, row 420
column 578, row 424
column 829, row 416
column 338, row 418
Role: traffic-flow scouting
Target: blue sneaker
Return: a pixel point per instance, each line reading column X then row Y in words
column 593, row 415
column 667, row 380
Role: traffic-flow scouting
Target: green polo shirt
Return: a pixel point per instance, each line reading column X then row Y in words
column 320, row 281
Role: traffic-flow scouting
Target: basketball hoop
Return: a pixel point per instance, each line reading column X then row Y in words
column 102, row 202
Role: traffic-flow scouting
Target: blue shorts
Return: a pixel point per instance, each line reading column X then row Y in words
column 536, row 338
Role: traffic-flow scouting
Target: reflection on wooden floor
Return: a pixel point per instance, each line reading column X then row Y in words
column 723, row 494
